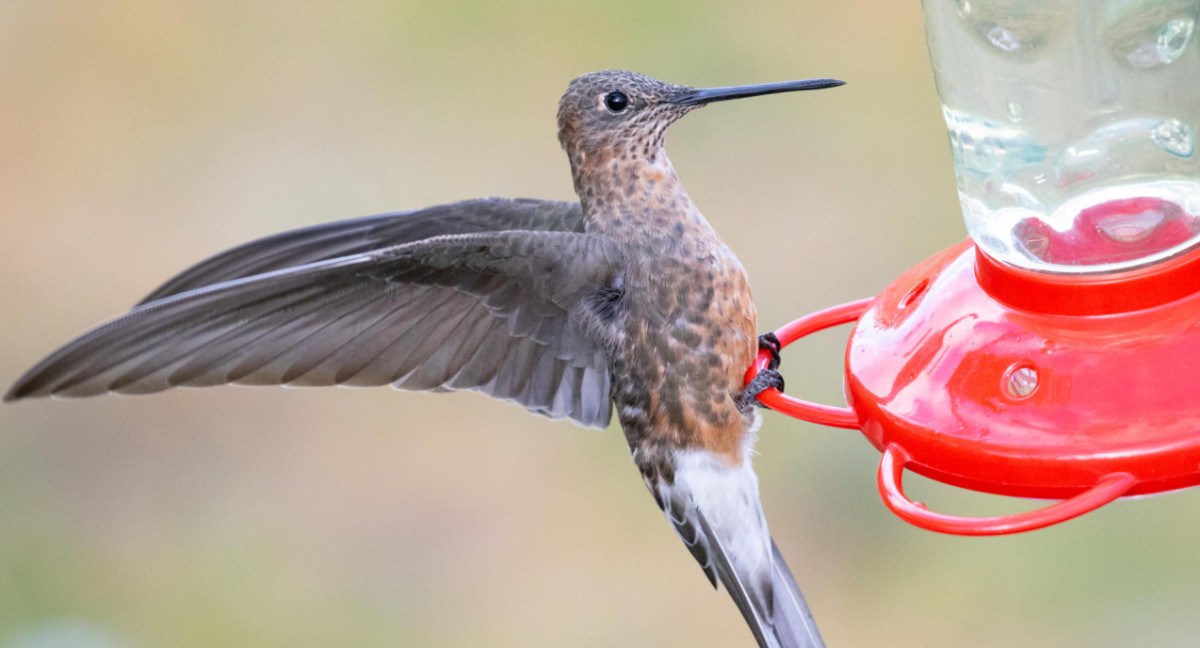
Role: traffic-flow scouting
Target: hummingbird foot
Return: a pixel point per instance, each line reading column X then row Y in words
column 768, row 377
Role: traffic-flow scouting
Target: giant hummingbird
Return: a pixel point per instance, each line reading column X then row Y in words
column 626, row 301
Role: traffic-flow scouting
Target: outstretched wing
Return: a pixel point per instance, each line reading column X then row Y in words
column 369, row 233
column 495, row 312
column 716, row 511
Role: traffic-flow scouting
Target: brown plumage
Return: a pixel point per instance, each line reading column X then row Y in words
column 628, row 299
column 689, row 314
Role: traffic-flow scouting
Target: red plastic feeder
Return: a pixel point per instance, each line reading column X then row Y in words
column 980, row 375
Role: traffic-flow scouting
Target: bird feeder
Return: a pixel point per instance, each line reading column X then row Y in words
column 1055, row 354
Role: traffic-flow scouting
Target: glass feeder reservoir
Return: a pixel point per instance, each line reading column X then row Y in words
column 1073, row 126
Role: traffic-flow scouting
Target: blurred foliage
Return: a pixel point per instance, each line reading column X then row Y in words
column 137, row 137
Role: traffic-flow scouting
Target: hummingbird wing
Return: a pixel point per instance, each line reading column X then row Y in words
column 715, row 508
column 359, row 235
column 492, row 312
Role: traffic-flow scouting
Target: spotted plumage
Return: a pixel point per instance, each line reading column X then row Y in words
column 627, row 300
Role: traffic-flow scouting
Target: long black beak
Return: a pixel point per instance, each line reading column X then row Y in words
column 708, row 95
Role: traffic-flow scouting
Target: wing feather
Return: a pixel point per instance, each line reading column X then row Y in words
column 490, row 312
column 360, row 235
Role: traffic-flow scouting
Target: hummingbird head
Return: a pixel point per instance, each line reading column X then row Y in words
column 605, row 114
column 614, row 113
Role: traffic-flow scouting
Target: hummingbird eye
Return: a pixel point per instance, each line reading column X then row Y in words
column 616, row 101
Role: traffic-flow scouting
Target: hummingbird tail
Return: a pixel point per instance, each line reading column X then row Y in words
column 715, row 508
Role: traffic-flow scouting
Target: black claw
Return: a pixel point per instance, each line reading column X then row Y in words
column 766, row 379
column 771, row 343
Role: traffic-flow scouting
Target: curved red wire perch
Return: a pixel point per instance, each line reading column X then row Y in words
column 842, row 417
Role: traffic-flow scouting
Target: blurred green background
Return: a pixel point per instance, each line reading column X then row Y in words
column 139, row 137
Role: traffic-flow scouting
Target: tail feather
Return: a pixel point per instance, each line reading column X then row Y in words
column 791, row 619
column 752, row 608
column 785, row 621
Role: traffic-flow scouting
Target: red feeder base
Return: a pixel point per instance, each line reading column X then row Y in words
column 1082, row 387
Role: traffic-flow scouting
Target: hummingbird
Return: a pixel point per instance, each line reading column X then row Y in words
column 625, row 301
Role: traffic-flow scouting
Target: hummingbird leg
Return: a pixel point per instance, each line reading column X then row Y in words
column 768, row 377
